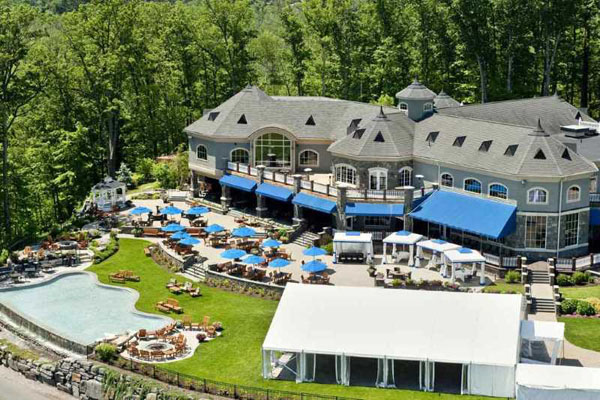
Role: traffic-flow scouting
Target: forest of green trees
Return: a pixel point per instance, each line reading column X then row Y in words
column 88, row 85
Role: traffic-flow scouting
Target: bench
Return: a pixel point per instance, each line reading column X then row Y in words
column 153, row 232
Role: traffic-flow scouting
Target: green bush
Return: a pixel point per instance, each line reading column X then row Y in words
column 105, row 351
column 111, row 248
column 328, row 247
column 564, row 280
column 568, row 306
column 579, row 278
column 512, row 277
column 165, row 175
column 4, row 254
column 585, row 308
column 144, row 169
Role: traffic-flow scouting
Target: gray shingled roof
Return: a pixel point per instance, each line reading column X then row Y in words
column 331, row 116
column 415, row 91
column 553, row 111
column 443, row 100
column 382, row 136
column 522, row 163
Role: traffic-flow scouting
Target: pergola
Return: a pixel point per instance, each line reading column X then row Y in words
column 109, row 193
column 402, row 238
column 459, row 257
column 355, row 242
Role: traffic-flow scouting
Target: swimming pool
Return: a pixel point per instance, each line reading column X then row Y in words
column 75, row 306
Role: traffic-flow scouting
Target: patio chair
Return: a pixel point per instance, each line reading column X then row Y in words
column 116, row 277
column 158, row 354
column 195, row 292
column 174, row 305
column 211, row 331
column 205, row 323
column 161, row 306
column 142, row 334
column 187, row 322
column 145, row 354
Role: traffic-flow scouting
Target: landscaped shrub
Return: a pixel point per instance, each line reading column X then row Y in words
column 512, row 277
column 144, row 169
column 586, row 309
column 105, row 351
column 564, row 280
column 568, row 306
column 579, row 278
column 595, row 302
column 4, row 254
column 328, row 247
column 111, row 248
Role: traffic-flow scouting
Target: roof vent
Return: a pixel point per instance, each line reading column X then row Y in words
column 310, row 121
column 540, row 155
column 242, row 119
column 358, row 133
column 485, row 145
column 458, row 142
column 213, row 115
column 379, row 138
column 432, row 136
column 511, row 150
column 566, row 155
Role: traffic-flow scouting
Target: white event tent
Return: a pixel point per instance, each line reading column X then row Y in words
column 436, row 247
column 402, row 238
column 353, row 242
column 543, row 331
column 462, row 255
column 557, row 382
column 474, row 332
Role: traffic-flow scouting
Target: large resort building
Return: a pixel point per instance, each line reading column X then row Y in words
column 516, row 177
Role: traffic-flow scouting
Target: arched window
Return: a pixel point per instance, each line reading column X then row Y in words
column 537, row 196
column 405, row 176
column 472, row 185
column 427, row 107
column 378, row 178
column 346, row 174
column 309, row 158
column 273, row 150
column 447, row 180
column 241, row 156
column 573, row 194
column 403, row 107
column 498, row 190
column 201, row 153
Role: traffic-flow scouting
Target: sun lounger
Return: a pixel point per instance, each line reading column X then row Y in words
column 160, row 306
column 195, row 292
column 174, row 305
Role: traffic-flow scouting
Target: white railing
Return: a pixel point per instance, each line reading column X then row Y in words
column 305, row 185
column 491, row 259
column 319, row 188
column 289, row 180
column 253, row 171
column 564, row 263
column 594, row 197
column 596, row 258
column 333, row 191
column 279, row 177
column 269, row 175
column 581, row 263
column 508, row 262
column 243, row 168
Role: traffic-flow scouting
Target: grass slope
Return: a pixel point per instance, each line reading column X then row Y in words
column 582, row 332
column 580, row 292
column 236, row 356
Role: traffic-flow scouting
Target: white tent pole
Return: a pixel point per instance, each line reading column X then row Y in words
column 411, row 255
column 420, row 375
column 482, row 278
column 384, row 253
column 453, row 271
column 432, row 383
column 554, row 352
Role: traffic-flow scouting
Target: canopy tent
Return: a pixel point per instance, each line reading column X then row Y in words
column 374, row 210
column 425, row 326
column 109, row 193
column 402, row 238
column 468, row 213
column 436, row 247
column 274, row 192
column 237, row 182
column 353, row 242
column 557, row 382
column 542, row 331
column 315, row 203
column 462, row 255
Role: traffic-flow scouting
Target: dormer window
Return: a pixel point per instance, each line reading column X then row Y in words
column 511, row 150
column 242, row 120
column 403, row 107
column 358, row 133
column 353, row 125
column 458, row 142
column 379, row 138
column 310, row 121
column 540, row 155
column 432, row 136
column 485, row 146
column 566, row 155
column 213, row 115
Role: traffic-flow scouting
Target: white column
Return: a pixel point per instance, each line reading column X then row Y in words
column 411, row 255
column 482, row 277
column 299, row 367
column 266, row 359
column 393, row 251
column 452, row 278
column 555, row 348
column 384, row 253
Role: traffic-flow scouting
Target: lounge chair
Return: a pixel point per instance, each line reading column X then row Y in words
column 116, row 277
column 161, row 306
column 195, row 292
column 174, row 306
column 187, row 322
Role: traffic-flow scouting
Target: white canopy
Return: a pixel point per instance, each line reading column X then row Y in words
column 398, row 238
column 532, row 331
column 356, row 242
column 459, row 256
column 557, row 382
column 437, row 245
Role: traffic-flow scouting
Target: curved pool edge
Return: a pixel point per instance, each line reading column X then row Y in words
column 41, row 329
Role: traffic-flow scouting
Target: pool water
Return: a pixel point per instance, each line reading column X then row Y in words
column 74, row 306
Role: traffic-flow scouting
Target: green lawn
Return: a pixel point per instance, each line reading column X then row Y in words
column 580, row 292
column 234, row 357
column 583, row 332
column 144, row 187
column 501, row 286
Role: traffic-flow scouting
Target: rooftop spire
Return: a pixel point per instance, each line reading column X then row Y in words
column 539, row 130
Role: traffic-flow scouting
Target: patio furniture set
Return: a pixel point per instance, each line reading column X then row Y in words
column 185, row 287
column 123, row 276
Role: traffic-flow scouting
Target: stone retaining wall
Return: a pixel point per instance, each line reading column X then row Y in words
column 219, row 278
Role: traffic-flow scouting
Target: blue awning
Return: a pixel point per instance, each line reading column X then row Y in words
column 315, row 203
column 468, row 213
column 237, row 182
column 274, row 192
column 595, row 216
column 374, row 210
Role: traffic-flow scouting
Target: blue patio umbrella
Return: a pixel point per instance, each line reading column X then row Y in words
column 214, row 228
column 314, row 251
column 253, row 260
column 279, row 263
column 189, row 241
column 314, row 266
column 198, row 210
column 140, row 211
column 243, row 232
column 172, row 228
column 171, row 210
column 271, row 243
column 233, row 254
column 180, row 235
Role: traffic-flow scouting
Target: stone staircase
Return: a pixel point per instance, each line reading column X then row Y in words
column 542, row 294
column 539, row 276
column 306, row 239
column 196, row 272
column 542, row 305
